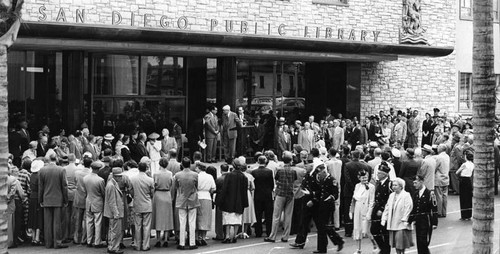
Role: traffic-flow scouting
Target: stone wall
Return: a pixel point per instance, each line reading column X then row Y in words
column 421, row 83
column 418, row 83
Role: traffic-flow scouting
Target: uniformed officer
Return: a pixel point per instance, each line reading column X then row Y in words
column 423, row 215
column 382, row 192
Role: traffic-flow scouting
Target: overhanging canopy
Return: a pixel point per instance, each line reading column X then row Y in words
column 65, row 36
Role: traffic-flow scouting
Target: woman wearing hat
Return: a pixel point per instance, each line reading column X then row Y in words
column 427, row 130
column 35, row 220
column 154, row 147
column 361, row 208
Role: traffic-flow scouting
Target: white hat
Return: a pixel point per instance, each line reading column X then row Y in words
column 373, row 144
column 109, row 137
column 36, row 165
column 396, row 153
column 226, row 107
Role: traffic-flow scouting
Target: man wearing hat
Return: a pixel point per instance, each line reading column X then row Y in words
column 442, row 179
column 382, row 192
column 114, row 210
column 108, row 138
column 423, row 215
column 428, row 168
column 230, row 124
column 94, row 187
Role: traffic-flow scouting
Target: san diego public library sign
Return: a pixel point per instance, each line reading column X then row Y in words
column 212, row 25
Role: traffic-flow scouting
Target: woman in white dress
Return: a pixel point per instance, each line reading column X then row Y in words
column 206, row 186
column 249, row 212
column 361, row 208
column 154, row 147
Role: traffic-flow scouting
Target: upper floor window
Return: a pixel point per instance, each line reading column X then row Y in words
column 332, row 2
column 465, row 91
column 466, row 9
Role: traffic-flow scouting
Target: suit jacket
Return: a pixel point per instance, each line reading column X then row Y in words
column 219, row 184
column 382, row 192
column 185, row 189
column 230, row 123
column 167, row 145
column 428, row 170
column 424, row 209
column 337, row 138
column 211, row 126
column 142, row 151
column 114, row 207
column 41, row 150
column 91, row 149
column 142, row 189
column 53, row 187
column 25, row 139
column 71, row 170
column 441, row 178
column 80, row 194
column 177, row 132
column 264, row 184
column 322, row 191
column 15, row 144
column 306, row 139
column 134, row 152
column 283, row 142
column 94, row 187
column 258, row 134
column 173, row 166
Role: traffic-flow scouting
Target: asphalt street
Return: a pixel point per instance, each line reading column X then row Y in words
column 452, row 236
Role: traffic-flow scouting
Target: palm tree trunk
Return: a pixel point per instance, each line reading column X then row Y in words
column 4, row 148
column 484, row 102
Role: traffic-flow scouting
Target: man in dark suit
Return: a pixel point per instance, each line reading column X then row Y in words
column 258, row 132
column 282, row 138
column 230, row 124
column 424, row 215
column 382, row 192
column 41, row 148
column 211, row 132
column 132, row 146
column 25, row 135
column 53, row 196
column 219, row 183
column 263, row 196
column 141, row 147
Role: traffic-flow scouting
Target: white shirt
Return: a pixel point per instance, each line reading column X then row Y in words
column 466, row 169
column 205, row 184
column 421, row 191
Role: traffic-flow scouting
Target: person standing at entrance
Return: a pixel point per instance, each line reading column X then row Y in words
column 230, row 123
column 423, row 215
column 211, row 133
column 53, row 196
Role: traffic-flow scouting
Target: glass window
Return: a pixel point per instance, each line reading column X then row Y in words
column 115, row 75
column 163, row 75
column 466, row 9
column 465, row 92
column 212, row 80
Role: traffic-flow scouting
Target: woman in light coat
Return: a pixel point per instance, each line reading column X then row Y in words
column 153, row 147
column 361, row 208
column 395, row 217
column 306, row 137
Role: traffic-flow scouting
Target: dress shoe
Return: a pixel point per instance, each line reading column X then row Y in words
column 61, row 246
column 284, row 240
column 89, row 245
column 340, row 246
column 197, row 242
column 122, row 246
column 269, row 240
column 217, row 239
column 194, row 247
column 66, row 241
column 100, row 246
column 115, row 252
column 297, row 245
column 203, row 242
column 180, row 247
column 165, row 244
column 158, row 244
column 227, row 240
column 319, row 251
column 233, row 240
column 147, row 249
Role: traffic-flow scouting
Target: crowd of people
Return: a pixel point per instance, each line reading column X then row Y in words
column 384, row 179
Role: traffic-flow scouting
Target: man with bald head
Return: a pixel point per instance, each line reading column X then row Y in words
column 285, row 177
column 230, row 123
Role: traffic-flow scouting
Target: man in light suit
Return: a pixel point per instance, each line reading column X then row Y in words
column 114, row 210
column 79, row 201
column 142, row 189
column 53, row 196
column 211, row 132
column 282, row 138
column 68, row 225
column 442, row 179
column 173, row 165
column 230, row 123
column 94, row 187
column 337, row 135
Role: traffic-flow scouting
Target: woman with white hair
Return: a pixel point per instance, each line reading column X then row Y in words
column 395, row 217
